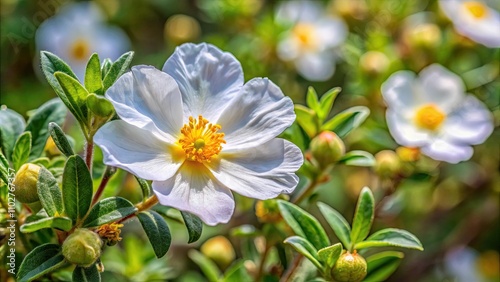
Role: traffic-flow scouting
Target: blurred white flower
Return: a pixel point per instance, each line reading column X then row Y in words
column 77, row 31
column 199, row 132
column 475, row 20
column 433, row 112
column 311, row 41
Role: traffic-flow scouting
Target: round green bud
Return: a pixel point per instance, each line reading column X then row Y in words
column 349, row 268
column 387, row 163
column 327, row 148
column 82, row 247
column 220, row 250
column 25, row 183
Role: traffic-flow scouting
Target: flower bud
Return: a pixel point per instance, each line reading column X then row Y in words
column 82, row 247
column 25, row 183
column 425, row 35
column 349, row 268
column 181, row 28
column 387, row 163
column 220, row 250
column 374, row 62
column 407, row 154
column 267, row 211
column 50, row 148
column 327, row 148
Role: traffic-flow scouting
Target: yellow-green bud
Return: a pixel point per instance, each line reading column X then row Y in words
column 327, row 148
column 25, row 183
column 82, row 247
column 349, row 268
column 374, row 62
column 387, row 163
column 425, row 35
column 267, row 211
column 220, row 250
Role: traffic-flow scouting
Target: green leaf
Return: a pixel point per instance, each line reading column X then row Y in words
column 326, row 103
column 100, row 106
column 61, row 223
column 40, row 261
column 4, row 169
column 145, row 187
column 330, row 255
column 391, row 237
column 382, row 265
column 76, row 188
column 363, row 216
column 307, row 119
column 11, row 126
column 237, row 273
column 338, row 223
column 344, row 122
column 60, row 139
column 21, row 150
column 38, row 124
column 157, row 231
column 51, row 64
column 358, row 158
column 304, row 224
column 117, row 69
column 312, row 99
column 305, row 248
column 93, row 77
column 208, row 267
column 49, row 193
column 76, row 95
column 193, row 225
column 106, row 66
column 86, row 274
column 109, row 210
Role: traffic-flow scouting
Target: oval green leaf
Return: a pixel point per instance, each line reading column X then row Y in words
column 117, row 69
column 11, row 126
column 157, row 231
column 344, row 122
column 193, row 225
column 40, row 261
column 382, row 265
column 358, row 158
column 363, row 216
column 76, row 188
column 93, row 77
column 307, row 119
column 60, row 139
column 61, row 223
column 305, row 248
column 86, row 274
column 109, row 210
column 76, row 95
column 326, row 102
column 391, row 237
column 304, row 224
column 330, row 255
column 22, row 150
column 49, row 193
column 338, row 223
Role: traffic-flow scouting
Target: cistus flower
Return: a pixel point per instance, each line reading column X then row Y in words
column 77, row 31
column 475, row 20
column 312, row 38
column 433, row 112
column 199, row 132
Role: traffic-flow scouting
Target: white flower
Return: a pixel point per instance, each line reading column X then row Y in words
column 475, row 20
column 311, row 40
column 199, row 132
column 433, row 112
column 76, row 32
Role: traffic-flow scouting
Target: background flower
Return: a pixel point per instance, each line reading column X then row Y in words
column 199, row 133
column 76, row 32
column 310, row 41
column 433, row 112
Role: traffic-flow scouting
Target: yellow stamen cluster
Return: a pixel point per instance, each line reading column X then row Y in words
column 429, row 117
column 80, row 50
column 476, row 9
column 110, row 233
column 200, row 140
column 305, row 34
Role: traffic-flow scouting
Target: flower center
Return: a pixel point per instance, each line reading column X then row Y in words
column 429, row 117
column 80, row 50
column 305, row 34
column 200, row 140
column 476, row 9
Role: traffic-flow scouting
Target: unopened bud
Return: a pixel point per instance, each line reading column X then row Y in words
column 220, row 250
column 181, row 28
column 374, row 62
column 82, row 247
column 349, row 268
column 51, row 148
column 267, row 211
column 327, row 148
column 387, row 163
column 25, row 183
column 425, row 35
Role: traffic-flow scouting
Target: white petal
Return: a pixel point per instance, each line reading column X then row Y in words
column 150, row 99
column 263, row 172
column 405, row 132
column 471, row 123
column 82, row 14
column 441, row 87
column 111, row 41
column 194, row 190
column 259, row 113
column 332, row 31
column 207, row 77
column 137, row 151
column 288, row 49
column 316, row 66
column 442, row 150
column 399, row 92
column 298, row 11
